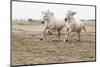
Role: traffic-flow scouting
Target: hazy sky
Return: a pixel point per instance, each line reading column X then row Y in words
column 22, row 10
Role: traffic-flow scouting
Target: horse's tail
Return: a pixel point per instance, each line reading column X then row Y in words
column 84, row 28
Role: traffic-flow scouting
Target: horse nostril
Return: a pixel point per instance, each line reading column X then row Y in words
column 65, row 19
column 42, row 22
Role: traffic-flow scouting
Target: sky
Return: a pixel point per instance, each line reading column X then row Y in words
column 24, row 10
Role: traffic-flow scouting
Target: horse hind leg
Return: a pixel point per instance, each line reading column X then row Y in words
column 49, row 32
column 57, row 36
column 78, row 36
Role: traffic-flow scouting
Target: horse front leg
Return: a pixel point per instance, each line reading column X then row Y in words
column 78, row 36
column 65, row 36
column 42, row 35
column 67, row 31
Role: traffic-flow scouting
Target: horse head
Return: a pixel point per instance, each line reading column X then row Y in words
column 69, row 15
column 46, row 15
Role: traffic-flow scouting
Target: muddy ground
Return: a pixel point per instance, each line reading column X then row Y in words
column 28, row 49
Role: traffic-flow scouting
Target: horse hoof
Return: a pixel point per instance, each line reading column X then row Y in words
column 78, row 40
column 65, row 40
column 41, row 38
column 54, row 40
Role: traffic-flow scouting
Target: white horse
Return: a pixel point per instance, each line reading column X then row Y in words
column 52, row 23
column 72, row 25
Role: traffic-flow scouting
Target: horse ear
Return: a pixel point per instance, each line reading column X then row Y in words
column 74, row 13
column 52, row 13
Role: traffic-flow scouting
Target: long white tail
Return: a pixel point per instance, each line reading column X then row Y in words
column 84, row 28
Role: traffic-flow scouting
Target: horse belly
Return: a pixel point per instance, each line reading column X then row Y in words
column 76, row 28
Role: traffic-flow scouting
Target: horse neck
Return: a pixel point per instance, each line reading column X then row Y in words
column 51, row 18
column 71, row 19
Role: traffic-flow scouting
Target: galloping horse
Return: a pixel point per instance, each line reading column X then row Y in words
column 72, row 25
column 52, row 23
